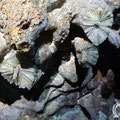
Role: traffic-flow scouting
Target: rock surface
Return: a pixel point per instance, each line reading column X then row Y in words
column 50, row 55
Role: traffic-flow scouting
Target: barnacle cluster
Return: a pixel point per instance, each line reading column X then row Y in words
column 37, row 47
column 26, row 20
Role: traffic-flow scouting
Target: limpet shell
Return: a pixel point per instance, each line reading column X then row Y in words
column 11, row 70
column 97, row 25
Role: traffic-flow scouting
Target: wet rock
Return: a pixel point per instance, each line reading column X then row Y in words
column 53, row 106
column 66, row 113
column 98, row 106
column 21, row 109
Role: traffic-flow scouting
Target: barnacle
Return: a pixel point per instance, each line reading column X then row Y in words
column 89, row 56
column 97, row 25
column 87, row 53
column 114, row 38
column 12, row 70
column 80, row 44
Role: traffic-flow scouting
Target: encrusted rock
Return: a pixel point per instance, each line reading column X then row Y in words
column 36, row 36
column 22, row 17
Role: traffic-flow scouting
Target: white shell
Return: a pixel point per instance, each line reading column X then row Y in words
column 57, row 80
column 68, row 70
column 97, row 25
column 28, row 77
column 11, row 70
column 8, row 65
column 114, row 38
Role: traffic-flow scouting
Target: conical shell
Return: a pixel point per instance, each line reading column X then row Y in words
column 97, row 25
column 11, row 70
column 89, row 56
column 86, row 52
column 114, row 38
column 44, row 52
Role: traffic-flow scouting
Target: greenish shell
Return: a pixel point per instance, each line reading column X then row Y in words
column 97, row 25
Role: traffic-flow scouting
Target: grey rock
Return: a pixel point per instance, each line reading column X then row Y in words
column 75, row 113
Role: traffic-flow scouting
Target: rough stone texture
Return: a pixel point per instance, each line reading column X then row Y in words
column 74, row 113
column 21, row 109
column 20, row 15
column 36, row 37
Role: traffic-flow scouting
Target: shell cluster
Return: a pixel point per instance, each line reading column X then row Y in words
column 50, row 48
column 36, row 29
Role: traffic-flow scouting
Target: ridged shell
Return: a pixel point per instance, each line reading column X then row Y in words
column 114, row 38
column 11, row 70
column 97, row 25
column 89, row 56
column 87, row 53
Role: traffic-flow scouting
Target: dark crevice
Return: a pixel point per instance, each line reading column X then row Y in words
column 86, row 112
column 25, row 26
column 44, row 38
column 116, row 16
column 109, row 58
